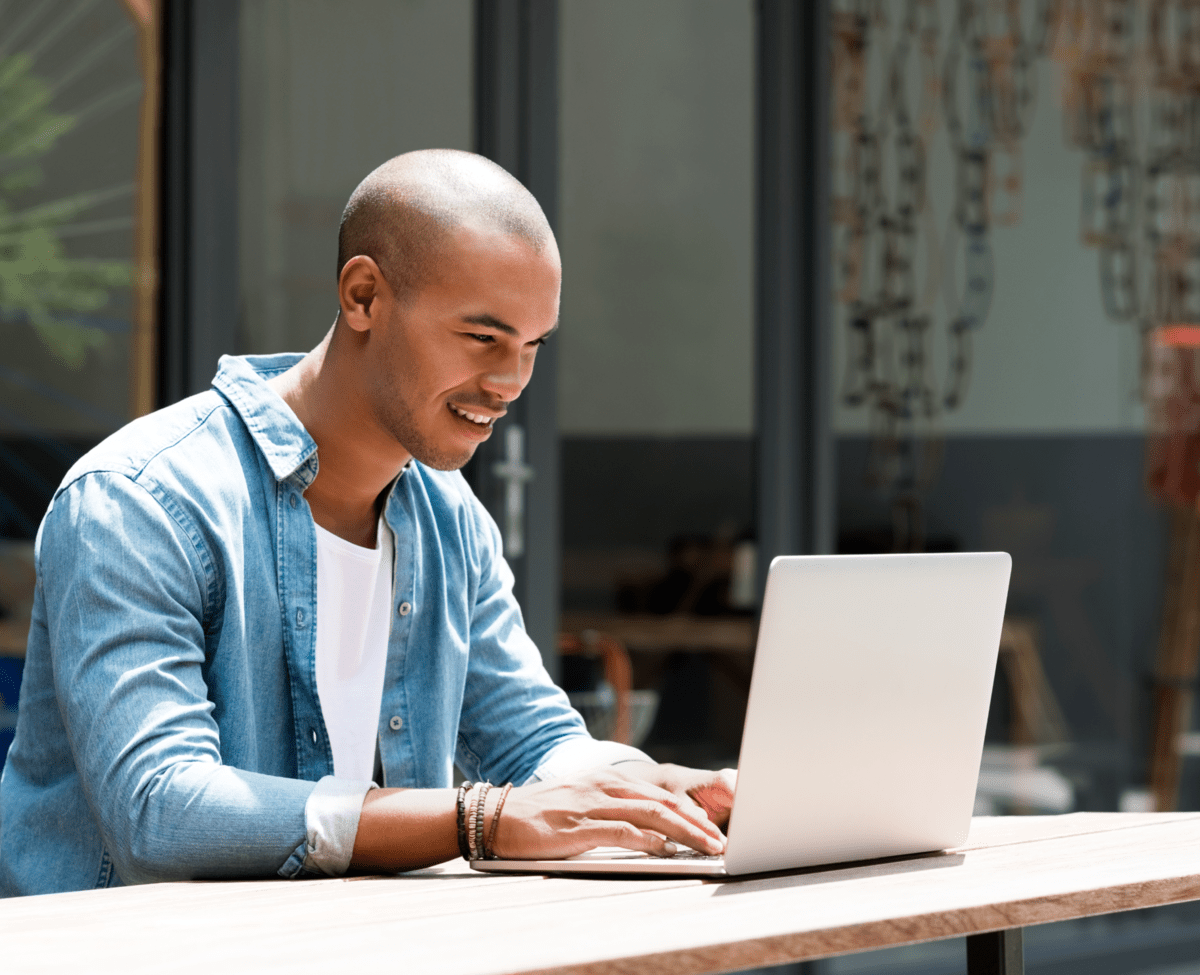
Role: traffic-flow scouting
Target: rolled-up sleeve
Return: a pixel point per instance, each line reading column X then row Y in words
column 579, row 753
column 331, row 824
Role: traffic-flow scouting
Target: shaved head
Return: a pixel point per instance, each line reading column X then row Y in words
column 403, row 213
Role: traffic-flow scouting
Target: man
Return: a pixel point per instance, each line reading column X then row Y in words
column 256, row 606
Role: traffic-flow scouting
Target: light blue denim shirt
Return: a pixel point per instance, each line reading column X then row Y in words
column 169, row 725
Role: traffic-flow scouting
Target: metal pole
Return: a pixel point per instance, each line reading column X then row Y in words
column 996, row 953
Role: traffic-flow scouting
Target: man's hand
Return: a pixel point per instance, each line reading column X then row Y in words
column 711, row 791
column 635, row 805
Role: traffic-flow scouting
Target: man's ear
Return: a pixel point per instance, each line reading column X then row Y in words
column 362, row 289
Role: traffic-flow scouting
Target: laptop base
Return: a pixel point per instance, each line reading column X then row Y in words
column 613, row 860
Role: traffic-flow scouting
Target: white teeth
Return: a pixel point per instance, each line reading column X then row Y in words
column 481, row 420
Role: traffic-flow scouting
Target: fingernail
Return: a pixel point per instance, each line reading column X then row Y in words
column 669, row 849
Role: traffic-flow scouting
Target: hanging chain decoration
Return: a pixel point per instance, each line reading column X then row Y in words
column 1133, row 107
column 982, row 82
column 1131, row 104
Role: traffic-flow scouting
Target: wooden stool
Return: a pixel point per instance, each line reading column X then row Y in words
column 1178, row 656
column 1036, row 716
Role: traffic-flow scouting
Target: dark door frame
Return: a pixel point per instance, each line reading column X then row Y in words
column 796, row 470
column 198, row 299
column 516, row 125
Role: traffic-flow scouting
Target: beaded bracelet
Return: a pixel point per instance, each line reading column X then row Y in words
column 480, row 806
column 463, row 849
column 472, row 808
column 489, row 852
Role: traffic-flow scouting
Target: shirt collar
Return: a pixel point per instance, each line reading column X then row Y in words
column 276, row 430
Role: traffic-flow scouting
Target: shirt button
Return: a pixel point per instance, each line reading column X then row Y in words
column 292, row 500
column 396, row 722
column 404, row 609
column 314, row 734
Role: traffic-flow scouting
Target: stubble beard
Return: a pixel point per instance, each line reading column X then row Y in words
column 401, row 422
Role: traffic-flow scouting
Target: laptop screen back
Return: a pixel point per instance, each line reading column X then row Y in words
column 867, row 709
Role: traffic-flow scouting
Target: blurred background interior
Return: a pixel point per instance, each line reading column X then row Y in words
column 842, row 276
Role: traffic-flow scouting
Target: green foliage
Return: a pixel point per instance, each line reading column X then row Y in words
column 37, row 279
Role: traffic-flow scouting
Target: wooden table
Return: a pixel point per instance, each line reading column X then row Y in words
column 448, row 920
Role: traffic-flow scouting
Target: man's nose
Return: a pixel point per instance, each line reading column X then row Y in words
column 507, row 383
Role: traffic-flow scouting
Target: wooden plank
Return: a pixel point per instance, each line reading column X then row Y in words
column 444, row 920
column 995, row 831
column 986, row 832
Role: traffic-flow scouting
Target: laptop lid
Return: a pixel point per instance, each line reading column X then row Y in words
column 868, row 705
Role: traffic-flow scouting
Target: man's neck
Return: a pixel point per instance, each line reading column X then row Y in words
column 357, row 462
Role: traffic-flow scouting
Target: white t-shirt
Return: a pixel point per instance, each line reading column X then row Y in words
column 354, row 620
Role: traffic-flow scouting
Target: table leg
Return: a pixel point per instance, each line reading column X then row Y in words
column 996, row 953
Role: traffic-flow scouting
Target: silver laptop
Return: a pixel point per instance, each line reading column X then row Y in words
column 865, row 723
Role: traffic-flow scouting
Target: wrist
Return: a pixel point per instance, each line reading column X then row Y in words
column 492, row 819
column 479, row 806
column 476, row 803
column 462, row 807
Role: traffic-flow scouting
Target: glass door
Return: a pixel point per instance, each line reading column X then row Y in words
column 656, row 360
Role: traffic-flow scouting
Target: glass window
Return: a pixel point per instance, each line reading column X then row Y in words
column 656, row 355
column 321, row 106
column 76, row 157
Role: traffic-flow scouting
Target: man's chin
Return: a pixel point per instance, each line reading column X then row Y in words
column 442, row 461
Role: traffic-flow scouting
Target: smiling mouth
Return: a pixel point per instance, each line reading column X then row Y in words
column 477, row 418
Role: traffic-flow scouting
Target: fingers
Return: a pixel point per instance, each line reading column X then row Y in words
column 628, row 837
column 659, row 817
column 710, row 792
column 681, row 804
column 715, row 795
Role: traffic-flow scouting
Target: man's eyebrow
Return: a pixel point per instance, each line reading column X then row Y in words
column 490, row 321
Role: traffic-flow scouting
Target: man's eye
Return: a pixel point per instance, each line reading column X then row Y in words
column 482, row 338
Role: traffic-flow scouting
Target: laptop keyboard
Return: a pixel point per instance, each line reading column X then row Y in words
column 616, row 853
column 689, row 855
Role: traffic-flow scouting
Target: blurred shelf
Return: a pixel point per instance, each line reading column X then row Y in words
column 644, row 632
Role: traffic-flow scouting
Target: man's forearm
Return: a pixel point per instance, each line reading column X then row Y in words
column 405, row 829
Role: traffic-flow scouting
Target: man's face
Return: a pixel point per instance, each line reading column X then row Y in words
column 446, row 363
